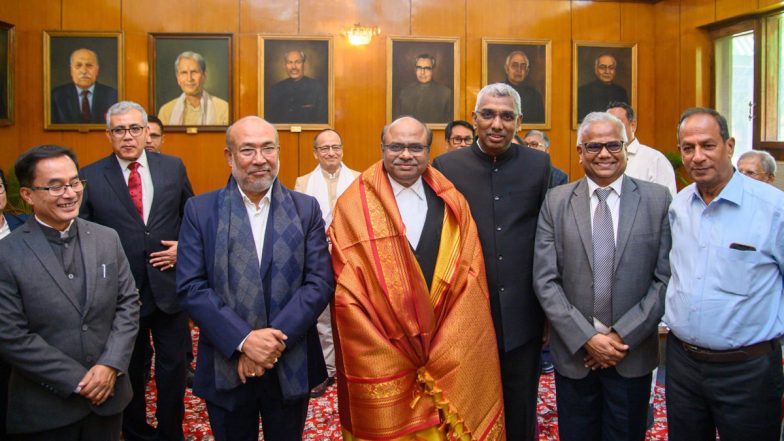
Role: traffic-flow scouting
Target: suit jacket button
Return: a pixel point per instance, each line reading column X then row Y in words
column 84, row 328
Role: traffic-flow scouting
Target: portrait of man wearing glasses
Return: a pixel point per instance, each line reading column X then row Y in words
column 142, row 196
column 459, row 134
column 517, row 67
column 604, row 89
column 425, row 99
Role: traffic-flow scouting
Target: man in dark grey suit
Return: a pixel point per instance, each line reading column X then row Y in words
column 142, row 195
column 69, row 310
column 601, row 269
column 85, row 100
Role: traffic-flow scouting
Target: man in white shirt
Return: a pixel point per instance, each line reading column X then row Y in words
column 643, row 162
column 325, row 183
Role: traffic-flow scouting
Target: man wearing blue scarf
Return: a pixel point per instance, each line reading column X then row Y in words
column 254, row 273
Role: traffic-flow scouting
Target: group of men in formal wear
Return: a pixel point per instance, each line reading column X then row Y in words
column 425, row 290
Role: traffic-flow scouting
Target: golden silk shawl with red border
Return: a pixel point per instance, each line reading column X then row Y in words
column 411, row 358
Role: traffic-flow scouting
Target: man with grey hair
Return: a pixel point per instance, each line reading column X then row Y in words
column 84, row 100
column 759, row 165
column 299, row 99
column 194, row 107
column 600, row 273
column 425, row 99
column 725, row 300
column 505, row 185
column 517, row 67
column 597, row 94
column 255, row 274
column 142, row 195
column 539, row 140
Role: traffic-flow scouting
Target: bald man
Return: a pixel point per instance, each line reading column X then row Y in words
column 84, row 100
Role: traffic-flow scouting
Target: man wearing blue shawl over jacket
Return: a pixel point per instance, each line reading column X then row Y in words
column 254, row 274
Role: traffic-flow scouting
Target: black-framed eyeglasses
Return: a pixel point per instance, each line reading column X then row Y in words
column 596, row 147
column 461, row 140
column 59, row 190
column 325, row 148
column 119, row 132
column 398, row 148
column 533, row 144
column 489, row 115
column 424, row 67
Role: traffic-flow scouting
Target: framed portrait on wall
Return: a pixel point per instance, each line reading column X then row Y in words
column 423, row 79
column 7, row 59
column 526, row 66
column 83, row 77
column 603, row 72
column 190, row 80
column 296, row 81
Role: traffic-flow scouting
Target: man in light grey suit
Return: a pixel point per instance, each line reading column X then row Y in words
column 69, row 310
column 601, row 269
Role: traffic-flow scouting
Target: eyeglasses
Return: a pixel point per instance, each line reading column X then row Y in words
column 518, row 66
column 606, row 67
column 424, row 68
column 119, row 132
column 59, row 190
column 325, row 148
column 596, row 147
column 398, row 148
column 751, row 173
column 266, row 151
column 464, row 140
column 489, row 115
column 153, row 135
column 532, row 144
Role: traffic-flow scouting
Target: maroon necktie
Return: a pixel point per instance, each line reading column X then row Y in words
column 85, row 106
column 135, row 187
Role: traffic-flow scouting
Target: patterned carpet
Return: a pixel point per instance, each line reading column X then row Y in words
column 323, row 423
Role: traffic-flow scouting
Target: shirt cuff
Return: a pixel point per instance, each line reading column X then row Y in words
column 239, row 346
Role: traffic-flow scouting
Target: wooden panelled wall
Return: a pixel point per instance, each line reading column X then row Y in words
column 673, row 63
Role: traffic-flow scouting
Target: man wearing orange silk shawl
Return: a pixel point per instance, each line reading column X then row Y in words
column 416, row 353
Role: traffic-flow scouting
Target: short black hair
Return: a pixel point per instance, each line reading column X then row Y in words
column 27, row 161
column 156, row 120
column 458, row 122
column 724, row 130
column 626, row 108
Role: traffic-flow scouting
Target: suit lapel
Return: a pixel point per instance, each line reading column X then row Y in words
column 630, row 200
column 153, row 163
column 114, row 176
column 581, row 207
column 38, row 244
column 90, row 258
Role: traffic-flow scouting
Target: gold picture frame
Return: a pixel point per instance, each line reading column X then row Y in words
column 7, row 66
column 593, row 87
column 295, row 95
column 532, row 83
column 62, row 102
column 405, row 86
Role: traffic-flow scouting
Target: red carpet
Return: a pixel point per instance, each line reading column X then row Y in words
column 324, row 424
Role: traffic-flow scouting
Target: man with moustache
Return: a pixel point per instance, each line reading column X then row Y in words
column 505, row 185
column 426, row 100
column 600, row 273
column 536, row 139
column 725, row 300
column 596, row 95
column 85, row 100
column 411, row 310
column 254, row 275
column 195, row 106
column 326, row 183
column 142, row 196
column 459, row 134
column 69, row 310
column 155, row 136
column 299, row 99
column 517, row 67
column 759, row 165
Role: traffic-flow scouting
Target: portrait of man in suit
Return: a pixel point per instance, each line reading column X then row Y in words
column 142, row 195
column 603, row 73
column 298, row 98
column 601, row 270
column 69, row 310
column 83, row 100
column 254, row 274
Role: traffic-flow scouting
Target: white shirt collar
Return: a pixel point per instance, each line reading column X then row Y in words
column 615, row 185
column 79, row 90
column 63, row 233
column 142, row 160
column 416, row 187
column 633, row 146
column 264, row 200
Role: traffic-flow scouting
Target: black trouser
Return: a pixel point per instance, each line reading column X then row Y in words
column 603, row 406
column 280, row 420
column 170, row 338
column 93, row 427
column 520, row 377
column 741, row 399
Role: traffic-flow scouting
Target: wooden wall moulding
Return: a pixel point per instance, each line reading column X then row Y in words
column 7, row 66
